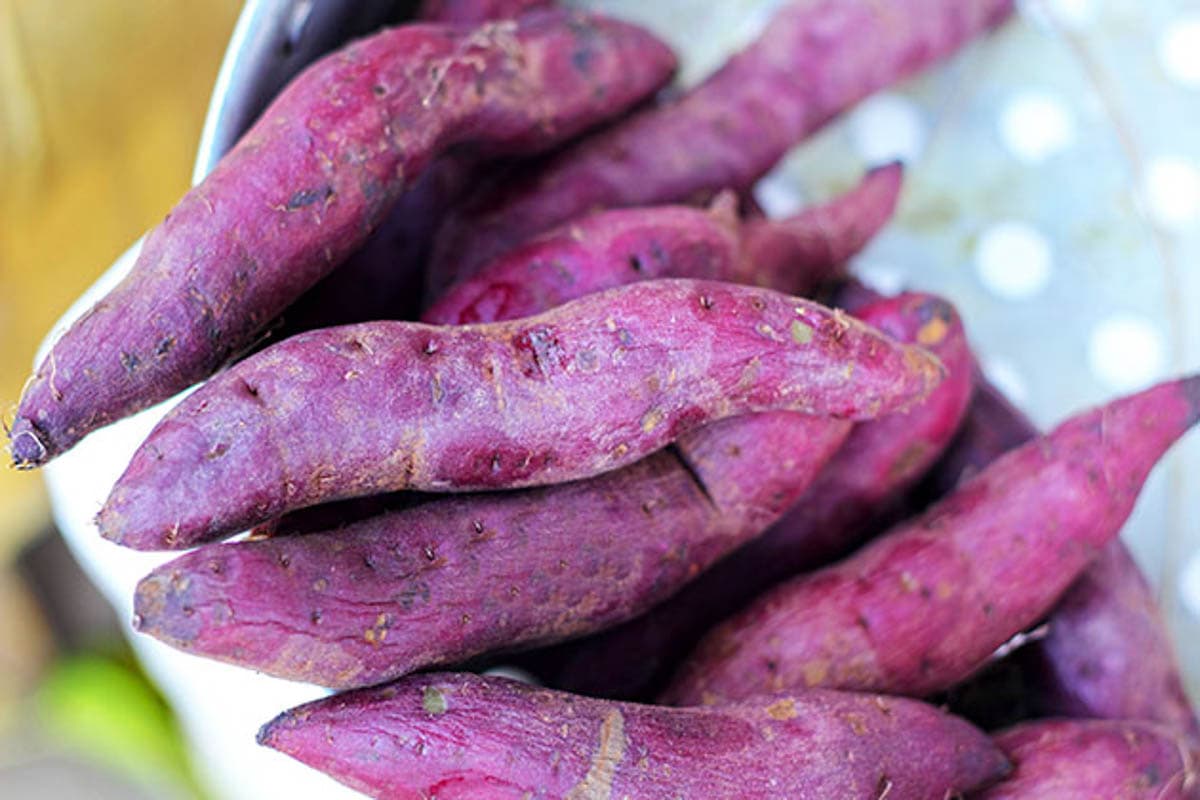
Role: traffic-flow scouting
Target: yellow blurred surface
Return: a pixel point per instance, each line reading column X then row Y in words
column 101, row 105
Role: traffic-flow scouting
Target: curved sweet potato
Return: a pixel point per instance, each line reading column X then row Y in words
column 462, row 575
column 1090, row 759
column 307, row 185
column 612, row 248
column 582, row 389
column 875, row 465
column 925, row 605
column 814, row 59
column 1106, row 651
column 457, row 736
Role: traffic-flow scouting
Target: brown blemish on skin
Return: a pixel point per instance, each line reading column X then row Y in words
column 781, row 710
column 801, row 333
column 652, row 419
column 597, row 784
column 433, row 701
column 815, row 672
column 932, row 332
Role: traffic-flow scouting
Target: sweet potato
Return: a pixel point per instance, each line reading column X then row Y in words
column 611, row 248
column 876, row 464
column 814, row 59
column 925, row 605
column 1087, row 760
column 273, row 605
column 464, row 736
column 462, row 575
column 992, row 427
column 308, row 184
column 1106, row 651
column 582, row 389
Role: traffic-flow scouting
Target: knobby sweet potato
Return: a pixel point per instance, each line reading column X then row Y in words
column 456, row 736
column 925, row 605
column 1106, row 651
column 612, row 248
column 462, row 575
column 814, row 59
column 308, row 184
column 875, row 465
column 1091, row 759
column 582, row 389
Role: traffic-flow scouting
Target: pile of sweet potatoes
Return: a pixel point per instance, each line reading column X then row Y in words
column 635, row 442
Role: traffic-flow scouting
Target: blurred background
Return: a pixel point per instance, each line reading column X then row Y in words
column 101, row 106
column 1055, row 197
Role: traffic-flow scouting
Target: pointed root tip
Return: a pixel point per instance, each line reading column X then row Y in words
column 891, row 169
column 27, row 446
column 273, row 734
column 1190, row 388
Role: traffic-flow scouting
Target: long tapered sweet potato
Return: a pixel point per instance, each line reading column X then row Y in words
column 462, row 575
column 814, row 59
column 612, row 248
column 875, row 465
column 1092, row 759
column 925, row 605
column 1106, row 651
column 308, row 184
column 456, row 736
column 582, row 389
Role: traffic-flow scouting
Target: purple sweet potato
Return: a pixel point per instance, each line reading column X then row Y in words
column 612, row 248
column 461, row 575
column 814, row 59
column 1107, row 652
column 1092, row 759
column 924, row 606
column 993, row 426
column 582, row 389
column 306, row 186
column 876, row 464
column 457, row 736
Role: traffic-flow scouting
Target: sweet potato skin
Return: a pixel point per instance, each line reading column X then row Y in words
column 597, row 252
column 308, row 184
column 813, row 61
column 462, row 575
column 925, row 605
column 876, row 464
column 410, row 740
column 1087, row 759
column 585, row 388
column 384, row 278
column 472, row 12
column 611, row 248
column 800, row 253
column 1106, row 652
